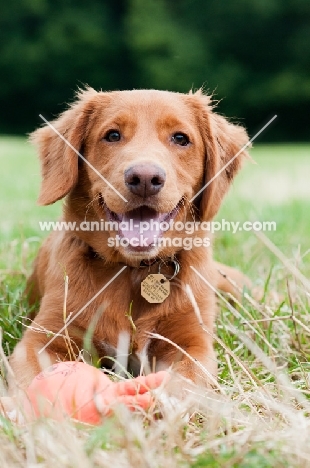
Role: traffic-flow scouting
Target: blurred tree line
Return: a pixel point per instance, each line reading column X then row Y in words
column 254, row 55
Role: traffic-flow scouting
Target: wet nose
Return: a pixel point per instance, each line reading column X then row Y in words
column 145, row 180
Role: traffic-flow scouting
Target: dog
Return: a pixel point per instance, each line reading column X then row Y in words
column 144, row 155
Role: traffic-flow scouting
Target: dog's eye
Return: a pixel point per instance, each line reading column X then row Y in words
column 180, row 139
column 112, row 136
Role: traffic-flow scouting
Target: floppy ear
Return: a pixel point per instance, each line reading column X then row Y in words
column 224, row 146
column 59, row 162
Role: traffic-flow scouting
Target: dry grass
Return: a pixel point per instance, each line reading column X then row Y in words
column 260, row 414
column 259, row 417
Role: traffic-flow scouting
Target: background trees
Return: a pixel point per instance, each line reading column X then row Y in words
column 254, row 55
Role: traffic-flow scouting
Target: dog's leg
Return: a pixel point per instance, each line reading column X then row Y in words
column 187, row 350
column 26, row 362
column 223, row 272
column 200, row 367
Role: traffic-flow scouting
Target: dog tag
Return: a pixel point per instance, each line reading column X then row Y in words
column 155, row 288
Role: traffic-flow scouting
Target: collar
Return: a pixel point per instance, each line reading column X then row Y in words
column 171, row 261
column 149, row 262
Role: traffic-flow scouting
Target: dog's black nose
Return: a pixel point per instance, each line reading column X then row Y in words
column 145, row 180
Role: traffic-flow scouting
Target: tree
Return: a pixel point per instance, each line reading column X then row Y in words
column 255, row 56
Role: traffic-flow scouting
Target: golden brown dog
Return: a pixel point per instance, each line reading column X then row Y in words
column 155, row 150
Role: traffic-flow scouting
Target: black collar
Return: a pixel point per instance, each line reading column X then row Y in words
column 149, row 262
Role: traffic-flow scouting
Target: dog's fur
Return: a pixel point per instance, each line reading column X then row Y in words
column 147, row 121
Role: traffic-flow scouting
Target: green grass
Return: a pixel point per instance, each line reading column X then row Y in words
column 261, row 417
column 274, row 187
column 20, row 182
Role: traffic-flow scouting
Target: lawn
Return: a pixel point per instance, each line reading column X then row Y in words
column 259, row 417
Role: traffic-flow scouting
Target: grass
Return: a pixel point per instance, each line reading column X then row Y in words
column 261, row 415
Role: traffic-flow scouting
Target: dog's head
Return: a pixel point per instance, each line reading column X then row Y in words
column 146, row 154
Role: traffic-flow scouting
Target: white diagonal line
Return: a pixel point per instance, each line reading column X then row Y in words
column 82, row 157
column 83, row 308
column 231, row 308
column 232, row 159
column 210, row 286
column 204, row 279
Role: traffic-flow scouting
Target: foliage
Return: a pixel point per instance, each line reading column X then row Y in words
column 255, row 55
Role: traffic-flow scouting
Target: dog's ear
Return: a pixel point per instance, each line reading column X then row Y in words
column 59, row 162
column 224, row 153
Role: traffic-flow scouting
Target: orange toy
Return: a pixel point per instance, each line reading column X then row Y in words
column 85, row 393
